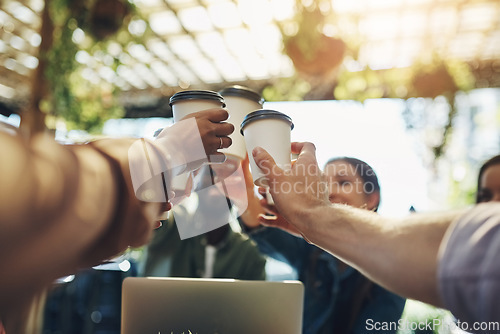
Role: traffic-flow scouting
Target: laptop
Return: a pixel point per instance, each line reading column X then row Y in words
column 153, row 305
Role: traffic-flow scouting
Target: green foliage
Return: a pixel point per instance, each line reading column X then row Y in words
column 462, row 192
column 287, row 89
column 462, row 74
column 82, row 104
column 421, row 318
column 423, row 79
column 370, row 84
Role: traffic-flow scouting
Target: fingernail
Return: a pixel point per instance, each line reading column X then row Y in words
column 256, row 150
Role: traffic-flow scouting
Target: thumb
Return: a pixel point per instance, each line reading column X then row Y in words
column 266, row 163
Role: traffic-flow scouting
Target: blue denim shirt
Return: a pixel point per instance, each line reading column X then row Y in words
column 328, row 292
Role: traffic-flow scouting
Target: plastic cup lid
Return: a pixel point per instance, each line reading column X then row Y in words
column 242, row 91
column 265, row 114
column 196, row 95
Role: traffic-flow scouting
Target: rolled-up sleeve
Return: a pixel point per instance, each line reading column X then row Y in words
column 469, row 269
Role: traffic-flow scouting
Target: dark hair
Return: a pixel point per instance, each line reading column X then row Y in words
column 364, row 170
column 490, row 162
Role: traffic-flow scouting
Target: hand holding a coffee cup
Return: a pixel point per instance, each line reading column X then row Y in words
column 300, row 189
column 214, row 131
column 196, row 137
column 272, row 217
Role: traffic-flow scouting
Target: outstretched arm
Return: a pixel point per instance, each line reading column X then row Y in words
column 66, row 207
column 399, row 254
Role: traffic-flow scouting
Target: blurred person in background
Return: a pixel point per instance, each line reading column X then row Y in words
column 338, row 298
column 67, row 207
column 488, row 181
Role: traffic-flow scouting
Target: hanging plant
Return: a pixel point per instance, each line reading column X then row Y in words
column 439, row 77
column 311, row 51
column 317, row 59
column 107, row 16
column 81, row 103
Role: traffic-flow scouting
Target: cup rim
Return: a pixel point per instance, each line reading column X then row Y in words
column 196, row 95
column 242, row 91
column 265, row 114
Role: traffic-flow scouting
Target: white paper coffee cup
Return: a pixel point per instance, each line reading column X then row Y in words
column 240, row 101
column 187, row 102
column 269, row 129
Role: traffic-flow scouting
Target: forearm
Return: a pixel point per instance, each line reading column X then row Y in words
column 55, row 204
column 399, row 254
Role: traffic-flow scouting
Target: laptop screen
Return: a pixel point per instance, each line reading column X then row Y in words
column 209, row 306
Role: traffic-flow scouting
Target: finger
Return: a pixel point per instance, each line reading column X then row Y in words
column 274, row 222
column 297, row 147
column 224, row 142
column 267, row 220
column 215, row 115
column 223, row 129
column 245, row 163
column 304, row 148
column 245, row 166
column 266, row 163
column 217, row 143
column 217, row 157
column 269, row 209
column 164, row 207
column 262, row 191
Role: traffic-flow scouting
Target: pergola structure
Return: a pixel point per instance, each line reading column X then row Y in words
column 212, row 43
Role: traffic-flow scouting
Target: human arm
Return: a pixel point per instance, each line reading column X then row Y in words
column 56, row 203
column 399, row 254
column 67, row 207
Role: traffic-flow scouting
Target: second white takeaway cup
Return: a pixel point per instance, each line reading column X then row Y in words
column 271, row 130
column 240, row 101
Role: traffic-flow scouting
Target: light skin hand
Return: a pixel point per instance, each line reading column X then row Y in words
column 273, row 218
column 258, row 211
column 305, row 188
column 400, row 254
